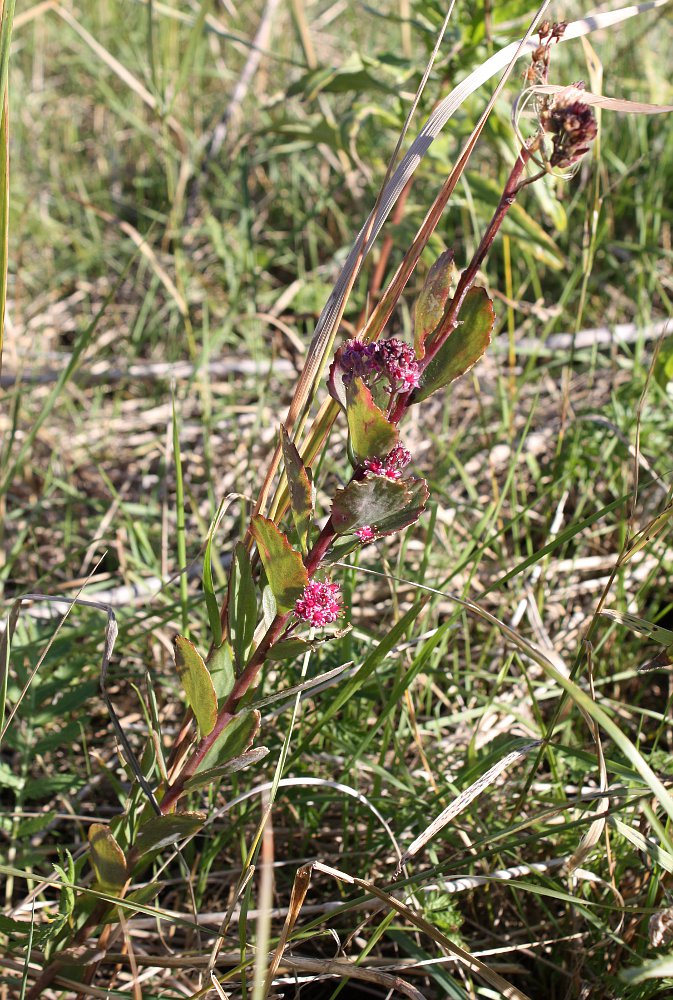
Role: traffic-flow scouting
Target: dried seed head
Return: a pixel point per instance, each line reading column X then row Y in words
column 571, row 123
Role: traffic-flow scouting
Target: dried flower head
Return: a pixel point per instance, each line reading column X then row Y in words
column 391, row 466
column 571, row 123
column 319, row 604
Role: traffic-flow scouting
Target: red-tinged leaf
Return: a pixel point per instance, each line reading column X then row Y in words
column 107, row 858
column 283, row 565
column 300, row 486
column 367, row 502
column 432, row 300
column 371, row 435
column 161, row 831
column 464, row 346
column 197, row 683
column 418, row 493
column 233, row 741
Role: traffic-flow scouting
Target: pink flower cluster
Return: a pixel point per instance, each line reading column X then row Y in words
column 391, row 466
column 366, row 533
column 319, row 604
column 391, row 359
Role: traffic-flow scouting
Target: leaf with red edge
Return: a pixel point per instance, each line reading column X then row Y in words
column 235, row 739
column 432, row 300
column 371, row 435
column 381, row 503
column 418, row 493
column 300, row 486
column 463, row 347
column 283, row 565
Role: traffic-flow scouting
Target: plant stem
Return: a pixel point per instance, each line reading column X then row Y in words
column 449, row 321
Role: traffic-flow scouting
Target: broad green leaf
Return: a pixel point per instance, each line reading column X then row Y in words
column 107, row 858
column 371, row 435
column 432, row 300
column 301, row 488
column 242, row 605
column 370, row 501
column 464, row 346
column 160, row 831
column 234, row 740
column 197, row 683
column 220, row 665
column 283, row 565
column 204, row 778
column 289, row 649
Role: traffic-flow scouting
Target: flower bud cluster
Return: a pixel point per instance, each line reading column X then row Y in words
column 391, row 466
column 390, row 359
column 319, row 604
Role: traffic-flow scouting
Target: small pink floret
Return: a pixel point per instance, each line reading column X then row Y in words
column 366, row 533
column 391, row 466
column 319, row 604
column 399, row 362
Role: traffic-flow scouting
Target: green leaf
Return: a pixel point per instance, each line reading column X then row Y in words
column 107, row 858
column 289, row 649
column 378, row 502
column 204, row 778
column 371, row 435
column 221, row 668
column 300, row 486
column 432, row 300
column 283, row 565
column 464, row 346
column 234, row 740
column 418, row 493
column 160, row 831
column 242, row 605
column 197, row 683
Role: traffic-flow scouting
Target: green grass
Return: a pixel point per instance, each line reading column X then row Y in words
column 531, row 468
